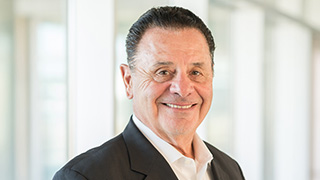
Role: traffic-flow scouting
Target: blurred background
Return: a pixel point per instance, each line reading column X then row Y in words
column 61, row 92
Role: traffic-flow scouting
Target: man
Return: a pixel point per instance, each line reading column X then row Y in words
column 169, row 79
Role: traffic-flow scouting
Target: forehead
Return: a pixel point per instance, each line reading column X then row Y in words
column 186, row 44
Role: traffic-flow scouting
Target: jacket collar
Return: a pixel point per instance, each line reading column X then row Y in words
column 218, row 172
column 144, row 158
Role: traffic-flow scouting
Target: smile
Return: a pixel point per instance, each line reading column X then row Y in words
column 178, row 107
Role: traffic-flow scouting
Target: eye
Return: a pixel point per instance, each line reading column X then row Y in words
column 163, row 73
column 198, row 75
column 195, row 73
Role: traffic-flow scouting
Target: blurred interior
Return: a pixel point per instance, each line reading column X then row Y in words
column 61, row 91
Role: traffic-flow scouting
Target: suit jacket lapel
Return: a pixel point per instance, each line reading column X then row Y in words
column 144, row 158
column 218, row 172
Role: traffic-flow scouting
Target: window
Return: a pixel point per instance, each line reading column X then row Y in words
column 33, row 85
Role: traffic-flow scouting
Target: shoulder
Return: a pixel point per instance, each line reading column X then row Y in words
column 219, row 155
column 224, row 162
column 97, row 163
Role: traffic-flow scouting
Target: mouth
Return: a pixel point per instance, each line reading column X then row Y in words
column 179, row 106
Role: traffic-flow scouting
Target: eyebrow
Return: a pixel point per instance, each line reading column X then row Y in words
column 168, row 63
column 163, row 63
column 198, row 64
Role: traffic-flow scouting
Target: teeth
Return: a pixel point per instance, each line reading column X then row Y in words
column 179, row 107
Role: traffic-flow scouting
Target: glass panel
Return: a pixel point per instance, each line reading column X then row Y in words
column 287, row 100
column 33, row 88
column 48, row 99
column 6, row 89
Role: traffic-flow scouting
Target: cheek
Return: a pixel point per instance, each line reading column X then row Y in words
column 206, row 94
column 157, row 90
column 149, row 91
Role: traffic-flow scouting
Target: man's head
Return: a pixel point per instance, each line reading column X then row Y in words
column 166, row 18
column 169, row 77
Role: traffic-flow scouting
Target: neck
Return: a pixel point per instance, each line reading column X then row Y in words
column 182, row 144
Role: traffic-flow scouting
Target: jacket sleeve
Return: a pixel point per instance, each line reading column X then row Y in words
column 68, row 174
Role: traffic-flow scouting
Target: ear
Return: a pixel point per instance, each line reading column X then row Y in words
column 127, row 78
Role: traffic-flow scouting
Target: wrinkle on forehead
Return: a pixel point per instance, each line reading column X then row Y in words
column 159, row 44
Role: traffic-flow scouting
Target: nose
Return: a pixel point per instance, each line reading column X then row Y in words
column 181, row 85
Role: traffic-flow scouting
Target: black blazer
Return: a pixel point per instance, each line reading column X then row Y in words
column 130, row 156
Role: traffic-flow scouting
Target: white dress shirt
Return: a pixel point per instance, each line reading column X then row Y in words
column 185, row 168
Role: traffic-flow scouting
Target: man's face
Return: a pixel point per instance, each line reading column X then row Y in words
column 171, row 84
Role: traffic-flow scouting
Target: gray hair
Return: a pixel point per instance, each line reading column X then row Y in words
column 165, row 17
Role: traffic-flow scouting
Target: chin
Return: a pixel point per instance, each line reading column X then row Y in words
column 180, row 127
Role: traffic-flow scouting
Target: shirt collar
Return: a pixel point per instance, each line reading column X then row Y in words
column 202, row 154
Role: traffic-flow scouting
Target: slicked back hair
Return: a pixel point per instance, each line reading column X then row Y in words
column 167, row 17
